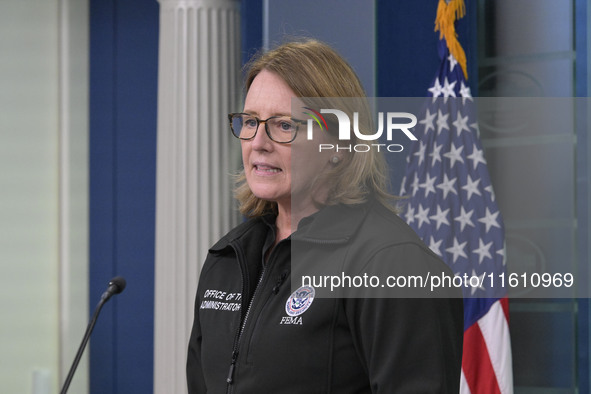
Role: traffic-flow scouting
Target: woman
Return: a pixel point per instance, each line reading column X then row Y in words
column 252, row 333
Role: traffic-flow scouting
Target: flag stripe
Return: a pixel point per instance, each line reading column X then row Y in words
column 464, row 388
column 495, row 331
column 505, row 304
column 476, row 363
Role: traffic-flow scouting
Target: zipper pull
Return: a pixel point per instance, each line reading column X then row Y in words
column 279, row 282
column 230, row 378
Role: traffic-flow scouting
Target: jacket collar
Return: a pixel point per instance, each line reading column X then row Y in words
column 333, row 224
column 255, row 227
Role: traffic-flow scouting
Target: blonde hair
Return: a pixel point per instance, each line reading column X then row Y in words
column 313, row 69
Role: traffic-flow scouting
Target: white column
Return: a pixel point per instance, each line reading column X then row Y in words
column 198, row 85
column 73, row 48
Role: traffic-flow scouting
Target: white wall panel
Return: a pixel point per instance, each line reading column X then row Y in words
column 38, row 194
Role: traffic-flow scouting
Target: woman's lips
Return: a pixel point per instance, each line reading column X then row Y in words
column 265, row 169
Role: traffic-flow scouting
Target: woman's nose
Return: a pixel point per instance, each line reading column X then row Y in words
column 261, row 140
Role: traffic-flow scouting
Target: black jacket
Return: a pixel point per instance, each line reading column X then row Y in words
column 253, row 333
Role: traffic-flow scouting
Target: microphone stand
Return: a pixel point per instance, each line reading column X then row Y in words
column 89, row 329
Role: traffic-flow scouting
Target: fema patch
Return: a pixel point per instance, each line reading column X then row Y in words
column 299, row 301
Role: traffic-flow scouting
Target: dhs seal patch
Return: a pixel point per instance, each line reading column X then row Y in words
column 299, row 301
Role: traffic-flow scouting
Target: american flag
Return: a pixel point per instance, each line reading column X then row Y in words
column 451, row 205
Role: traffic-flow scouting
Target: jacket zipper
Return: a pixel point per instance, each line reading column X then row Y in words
column 275, row 290
column 230, row 378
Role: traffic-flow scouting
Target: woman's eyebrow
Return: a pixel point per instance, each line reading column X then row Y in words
column 255, row 113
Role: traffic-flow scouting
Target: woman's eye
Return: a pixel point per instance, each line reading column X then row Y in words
column 286, row 126
column 250, row 122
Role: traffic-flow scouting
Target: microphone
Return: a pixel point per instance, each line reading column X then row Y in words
column 116, row 286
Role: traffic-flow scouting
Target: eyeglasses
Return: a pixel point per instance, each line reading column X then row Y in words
column 281, row 129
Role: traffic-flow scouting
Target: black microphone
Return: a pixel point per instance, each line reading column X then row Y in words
column 116, row 286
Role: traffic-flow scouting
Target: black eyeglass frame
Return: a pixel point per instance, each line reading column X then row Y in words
column 264, row 121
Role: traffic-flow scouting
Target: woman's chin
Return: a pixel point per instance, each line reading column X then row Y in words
column 270, row 195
